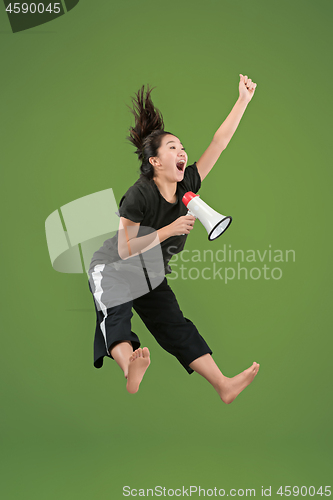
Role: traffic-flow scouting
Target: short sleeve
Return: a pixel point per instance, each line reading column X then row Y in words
column 192, row 179
column 132, row 206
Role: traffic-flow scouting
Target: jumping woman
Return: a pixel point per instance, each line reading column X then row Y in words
column 155, row 201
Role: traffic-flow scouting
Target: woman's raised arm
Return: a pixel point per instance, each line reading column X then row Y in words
column 225, row 132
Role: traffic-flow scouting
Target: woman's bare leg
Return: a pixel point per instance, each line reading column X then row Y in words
column 227, row 388
column 133, row 363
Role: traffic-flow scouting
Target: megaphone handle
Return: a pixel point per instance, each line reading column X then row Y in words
column 189, row 213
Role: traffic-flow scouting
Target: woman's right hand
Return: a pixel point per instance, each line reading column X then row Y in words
column 182, row 225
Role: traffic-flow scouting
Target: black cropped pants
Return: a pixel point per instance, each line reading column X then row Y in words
column 160, row 312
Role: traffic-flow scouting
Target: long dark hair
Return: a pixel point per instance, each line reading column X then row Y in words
column 148, row 131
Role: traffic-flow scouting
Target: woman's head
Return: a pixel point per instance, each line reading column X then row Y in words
column 148, row 134
column 170, row 159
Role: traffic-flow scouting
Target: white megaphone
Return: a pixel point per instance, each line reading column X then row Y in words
column 214, row 222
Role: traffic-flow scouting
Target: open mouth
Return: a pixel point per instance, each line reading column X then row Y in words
column 180, row 165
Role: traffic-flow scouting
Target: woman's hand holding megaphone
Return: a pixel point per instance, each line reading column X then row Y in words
column 182, row 225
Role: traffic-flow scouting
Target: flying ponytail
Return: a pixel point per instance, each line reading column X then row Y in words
column 148, row 131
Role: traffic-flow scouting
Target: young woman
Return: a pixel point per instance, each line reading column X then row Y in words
column 155, row 201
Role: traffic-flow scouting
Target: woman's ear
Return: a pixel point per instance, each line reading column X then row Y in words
column 153, row 161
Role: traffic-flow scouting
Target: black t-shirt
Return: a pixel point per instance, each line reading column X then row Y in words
column 144, row 203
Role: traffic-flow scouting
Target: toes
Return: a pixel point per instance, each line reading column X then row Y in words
column 135, row 354
column 145, row 352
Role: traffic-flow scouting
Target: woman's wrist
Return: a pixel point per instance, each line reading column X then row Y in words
column 243, row 101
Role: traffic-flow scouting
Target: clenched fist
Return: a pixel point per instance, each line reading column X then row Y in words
column 246, row 88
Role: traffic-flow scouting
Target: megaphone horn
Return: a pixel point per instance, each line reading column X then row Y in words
column 214, row 222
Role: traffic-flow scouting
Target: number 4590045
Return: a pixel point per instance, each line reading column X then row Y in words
column 32, row 8
column 303, row 491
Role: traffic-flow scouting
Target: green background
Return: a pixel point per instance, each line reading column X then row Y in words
column 70, row 431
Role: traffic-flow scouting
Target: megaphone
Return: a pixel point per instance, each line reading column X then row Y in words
column 214, row 222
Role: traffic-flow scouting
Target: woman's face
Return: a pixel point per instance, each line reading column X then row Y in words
column 171, row 160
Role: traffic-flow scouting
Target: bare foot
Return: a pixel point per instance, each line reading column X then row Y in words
column 231, row 387
column 138, row 364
